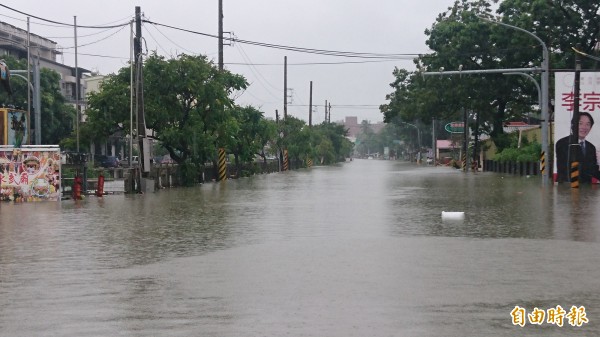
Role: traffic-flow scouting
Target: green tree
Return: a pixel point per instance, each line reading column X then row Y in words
column 332, row 144
column 268, row 136
column 57, row 116
column 297, row 138
column 560, row 24
column 187, row 104
column 461, row 40
column 253, row 133
column 366, row 140
column 109, row 111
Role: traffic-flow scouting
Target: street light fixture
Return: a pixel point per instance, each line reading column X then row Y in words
column 544, row 89
column 418, row 134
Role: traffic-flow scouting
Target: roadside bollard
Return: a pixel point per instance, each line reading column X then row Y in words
column 100, row 187
column 77, row 188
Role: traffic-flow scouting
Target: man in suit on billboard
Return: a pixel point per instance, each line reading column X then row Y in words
column 583, row 150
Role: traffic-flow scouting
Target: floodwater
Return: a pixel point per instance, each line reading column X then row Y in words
column 358, row 249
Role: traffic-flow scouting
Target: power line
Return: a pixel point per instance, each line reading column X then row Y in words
column 62, row 23
column 155, row 40
column 311, row 63
column 128, row 18
column 258, row 75
column 94, row 42
column 298, row 49
column 344, row 106
column 104, row 56
column 166, row 37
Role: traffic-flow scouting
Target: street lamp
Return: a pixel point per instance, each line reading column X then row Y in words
column 418, row 134
column 32, row 90
column 544, row 94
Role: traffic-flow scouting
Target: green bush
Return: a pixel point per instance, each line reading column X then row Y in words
column 528, row 152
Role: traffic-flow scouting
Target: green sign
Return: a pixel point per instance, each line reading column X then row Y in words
column 455, row 127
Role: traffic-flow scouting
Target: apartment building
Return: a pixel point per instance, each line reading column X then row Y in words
column 13, row 42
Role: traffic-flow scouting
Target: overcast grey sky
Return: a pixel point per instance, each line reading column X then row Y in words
column 353, row 86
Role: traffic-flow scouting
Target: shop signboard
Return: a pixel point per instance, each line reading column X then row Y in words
column 30, row 173
column 13, row 127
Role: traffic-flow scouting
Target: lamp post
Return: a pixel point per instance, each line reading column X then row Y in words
column 418, row 134
column 544, row 89
column 32, row 91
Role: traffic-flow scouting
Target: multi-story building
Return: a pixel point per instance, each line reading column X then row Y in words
column 13, row 42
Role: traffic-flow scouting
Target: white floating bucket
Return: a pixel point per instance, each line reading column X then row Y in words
column 453, row 215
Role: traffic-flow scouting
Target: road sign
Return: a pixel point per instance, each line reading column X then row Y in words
column 455, row 127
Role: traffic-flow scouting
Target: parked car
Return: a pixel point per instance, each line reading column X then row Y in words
column 110, row 161
column 134, row 161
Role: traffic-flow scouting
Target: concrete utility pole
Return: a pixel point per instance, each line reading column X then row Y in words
column 139, row 95
column 284, row 88
column 574, row 147
column 76, row 81
column 310, row 107
column 465, row 141
column 220, row 34
column 29, row 83
column 476, row 143
column 37, row 102
column 433, row 141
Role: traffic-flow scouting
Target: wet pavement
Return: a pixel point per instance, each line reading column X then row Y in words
column 359, row 249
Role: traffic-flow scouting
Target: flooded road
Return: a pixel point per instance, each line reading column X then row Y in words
column 358, row 249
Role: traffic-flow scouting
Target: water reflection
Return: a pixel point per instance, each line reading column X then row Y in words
column 359, row 249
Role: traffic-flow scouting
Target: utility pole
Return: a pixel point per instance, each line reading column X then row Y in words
column 279, row 134
column 76, row 82
column 433, row 141
column 465, row 142
column 29, row 83
column 574, row 148
column 37, row 103
column 284, row 88
column 221, row 35
column 310, row 107
column 476, row 144
column 139, row 95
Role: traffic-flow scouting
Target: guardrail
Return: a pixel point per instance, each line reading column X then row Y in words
column 512, row 167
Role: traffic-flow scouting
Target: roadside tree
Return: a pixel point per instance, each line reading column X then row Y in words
column 57, row 116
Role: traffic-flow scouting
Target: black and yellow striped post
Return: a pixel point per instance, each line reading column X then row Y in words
column 574, row 174
column 222, row 165
column 464, row 161
column 285, row 160
column 309, row 162
column 543, row 163
column 575, row 151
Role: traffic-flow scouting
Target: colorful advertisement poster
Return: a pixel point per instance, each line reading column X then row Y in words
column 589, row 102
column 13, row 130
column 30, row 173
